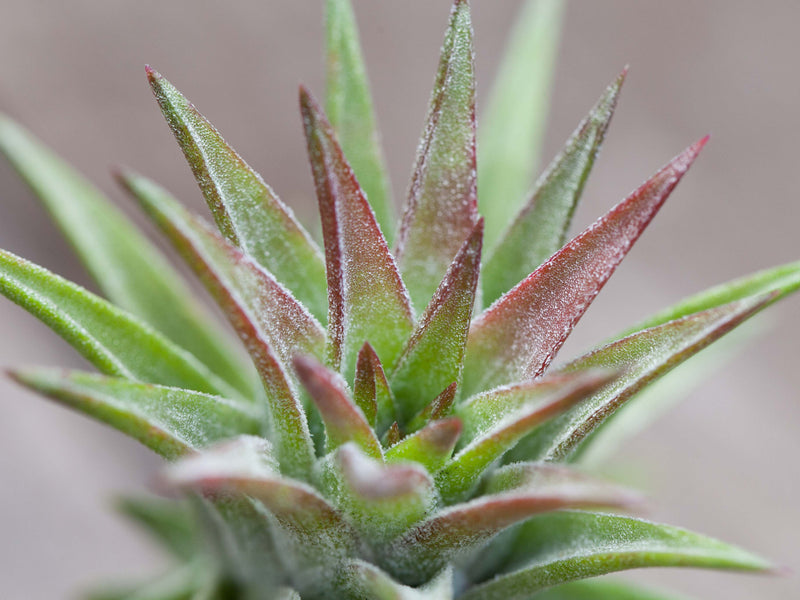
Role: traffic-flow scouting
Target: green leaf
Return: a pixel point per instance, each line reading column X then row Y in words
column 513, row 127
column 371, row 391
column 432, row 446
column 349, row 107
column 311, row 528
column 178, row 584
column 463, row 472
column 520, row 334
column 783, row 279
column 603, row 590
column 344, row 421
column 644, row 357
column 247, row 211
column 540, row 229
column 442, row 206
column 564, row 546
column 109, row 338
column 170, row 522
column 169, row 421
column 271, row 323
column 364, row 580
column 129, row 269
column 368, row 301
column 457, row 531
column 434, row 355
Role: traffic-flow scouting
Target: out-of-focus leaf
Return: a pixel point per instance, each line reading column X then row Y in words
column 564, row 546
column 430, row 447
column 462, row 473
column 382, row 500
column 349, row 107
column 344, row 422
column 603, row 590
column 247, row 211
column 273, row 325
column 518, row 336
column 170, row 522
column 313, row 527
column 513, row 127
column 644, row 356
column 365, row 580
column 371, row 391
column 109, row 338
column 169, row 421
column 442, row 206
column 784, row 279
column 367, row 298
column 129, row 269
column 459, row 530
column 540, row 229
column 434, row 354
column 180, row 584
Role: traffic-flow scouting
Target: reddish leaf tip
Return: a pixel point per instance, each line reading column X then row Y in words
column 152, row 74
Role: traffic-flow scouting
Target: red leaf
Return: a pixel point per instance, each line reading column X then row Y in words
column 518, row 336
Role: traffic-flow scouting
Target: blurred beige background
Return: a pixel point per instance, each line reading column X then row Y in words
column 724, row 462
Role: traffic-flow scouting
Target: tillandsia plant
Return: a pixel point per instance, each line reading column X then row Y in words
column 398, row 432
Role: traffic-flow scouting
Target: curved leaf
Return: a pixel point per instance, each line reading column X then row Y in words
column 112, row 340
column 540, row 229
column 520, row 334
column 430, row 447
column 442, row 206
column 644, row 356
column 169, row 421
column 367, row 299
column 130, row 271
column 365, row 580
column 513, row 127
column 603, row 590
column 564, row 546
column 349, row 107
column 247, row 211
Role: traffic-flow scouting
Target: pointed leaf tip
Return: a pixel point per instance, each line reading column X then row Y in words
column 519, row 335
column 367, row 298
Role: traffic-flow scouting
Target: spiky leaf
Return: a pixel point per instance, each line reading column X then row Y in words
column 111, row 339
column 434, row 354
column 169, row 421
column 565, row 546
column 430, row 447
column 127, row 267
column 371, row 391
column 247, row 211
column 518, row 336
column 540, row 229
column 349, row 107
column 644, row 356
column 442, row 208
column 367, row 298
column 514, row 124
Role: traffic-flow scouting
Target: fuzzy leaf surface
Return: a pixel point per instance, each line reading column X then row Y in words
column 128, row 268
column 432, row 446
column 367, row 299
column 344, row 421
column 540, row 229
column 462, row 473
column 371, row 391
column 442, row 206
column 349, row 107
column 364, row 580
column 247, row 211
column 109, row 338
column 518, row 336
column 169, row 421
column 273, row 325
column 513, row 127
column 603, row 590
column 564, row 546
column 644, row 356
column 314, row 528
column 434, row 355
column 458, row 530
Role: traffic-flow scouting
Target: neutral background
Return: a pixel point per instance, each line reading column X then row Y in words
column 724, row 462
